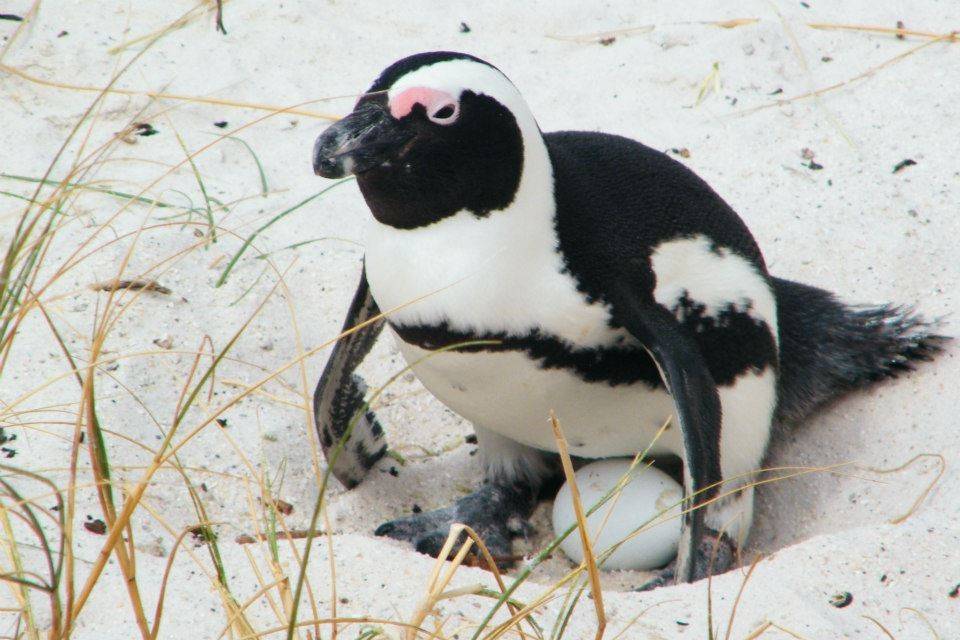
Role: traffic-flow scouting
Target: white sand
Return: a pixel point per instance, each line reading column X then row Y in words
column 854, row 227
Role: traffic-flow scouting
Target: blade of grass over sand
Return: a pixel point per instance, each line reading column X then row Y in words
column 946, row 37
column 10, row 296
column 437, row 588
column 163, row 455
column 20, row 586
column 283, row 214
column 335, row 454
column 9, row 258
column 11, row 301
column 100, row 467
column 264, row 187
column 919, row 500
column 3, row 278
column 591, row 560
column 138, row 490
column 24, row 510
column 161, row 95
column 25, row 21
column 953, row 36
column 206, row 532
column 203, row 187
column 296, row 245
column 199, row 9
column 160, row 204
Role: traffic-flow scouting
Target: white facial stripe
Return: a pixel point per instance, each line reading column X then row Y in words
column 715, row 279
column 456, row 76
column 432, row 100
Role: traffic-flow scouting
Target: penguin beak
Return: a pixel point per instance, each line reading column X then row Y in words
column 366, row 138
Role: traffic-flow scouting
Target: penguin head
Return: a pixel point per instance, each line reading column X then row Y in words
column 435, row 134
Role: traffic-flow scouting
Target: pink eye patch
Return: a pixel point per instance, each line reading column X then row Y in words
column 431, row 99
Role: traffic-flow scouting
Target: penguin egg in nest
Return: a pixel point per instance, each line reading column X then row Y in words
column 649, row 502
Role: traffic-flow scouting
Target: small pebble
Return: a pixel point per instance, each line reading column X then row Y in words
column 903, row 164
column 841, row 600
column 96, row 526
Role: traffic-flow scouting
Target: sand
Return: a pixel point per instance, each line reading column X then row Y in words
column 814, row 179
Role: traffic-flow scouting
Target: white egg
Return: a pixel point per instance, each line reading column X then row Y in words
column 651, row 496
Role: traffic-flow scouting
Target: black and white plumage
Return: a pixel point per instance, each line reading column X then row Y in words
column 620, row 289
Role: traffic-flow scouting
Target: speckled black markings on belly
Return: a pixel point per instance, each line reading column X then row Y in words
column 614, row 365
column 732, row 343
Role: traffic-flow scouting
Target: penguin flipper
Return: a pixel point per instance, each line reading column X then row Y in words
column 339, row 396
column 698, row 409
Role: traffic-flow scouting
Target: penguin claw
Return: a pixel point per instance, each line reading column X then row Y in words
column 716, row 554
column 428, row 532
column 496, row 512
column 661, row 578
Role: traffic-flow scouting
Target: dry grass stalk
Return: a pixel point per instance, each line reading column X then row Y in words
column 919, row 500
column 923, row 618
column 588, row 554
column 294, row 534
column 826, row 26
column 736, row 601
column 603, row 36
column 162, row 95
column 437, row 586
column 882, row 628
column 946, row 37
column 135, row 284
column 734, row 23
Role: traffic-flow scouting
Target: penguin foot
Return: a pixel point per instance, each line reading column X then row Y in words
column 716, row 554
column 498, row 513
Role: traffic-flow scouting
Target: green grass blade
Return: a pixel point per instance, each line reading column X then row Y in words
column 203, row 187
column 160, row 204
column 268, row 223
column 264, row 189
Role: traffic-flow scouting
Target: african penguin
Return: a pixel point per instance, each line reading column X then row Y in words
column 608, row 283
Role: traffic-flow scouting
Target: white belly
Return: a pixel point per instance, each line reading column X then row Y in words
column 510, row 394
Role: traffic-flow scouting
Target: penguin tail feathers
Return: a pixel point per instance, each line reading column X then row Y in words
column 828, row 348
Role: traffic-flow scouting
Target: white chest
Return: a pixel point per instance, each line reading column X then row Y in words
column 500, row 274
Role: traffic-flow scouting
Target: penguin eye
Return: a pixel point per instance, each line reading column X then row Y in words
column 446, row 114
